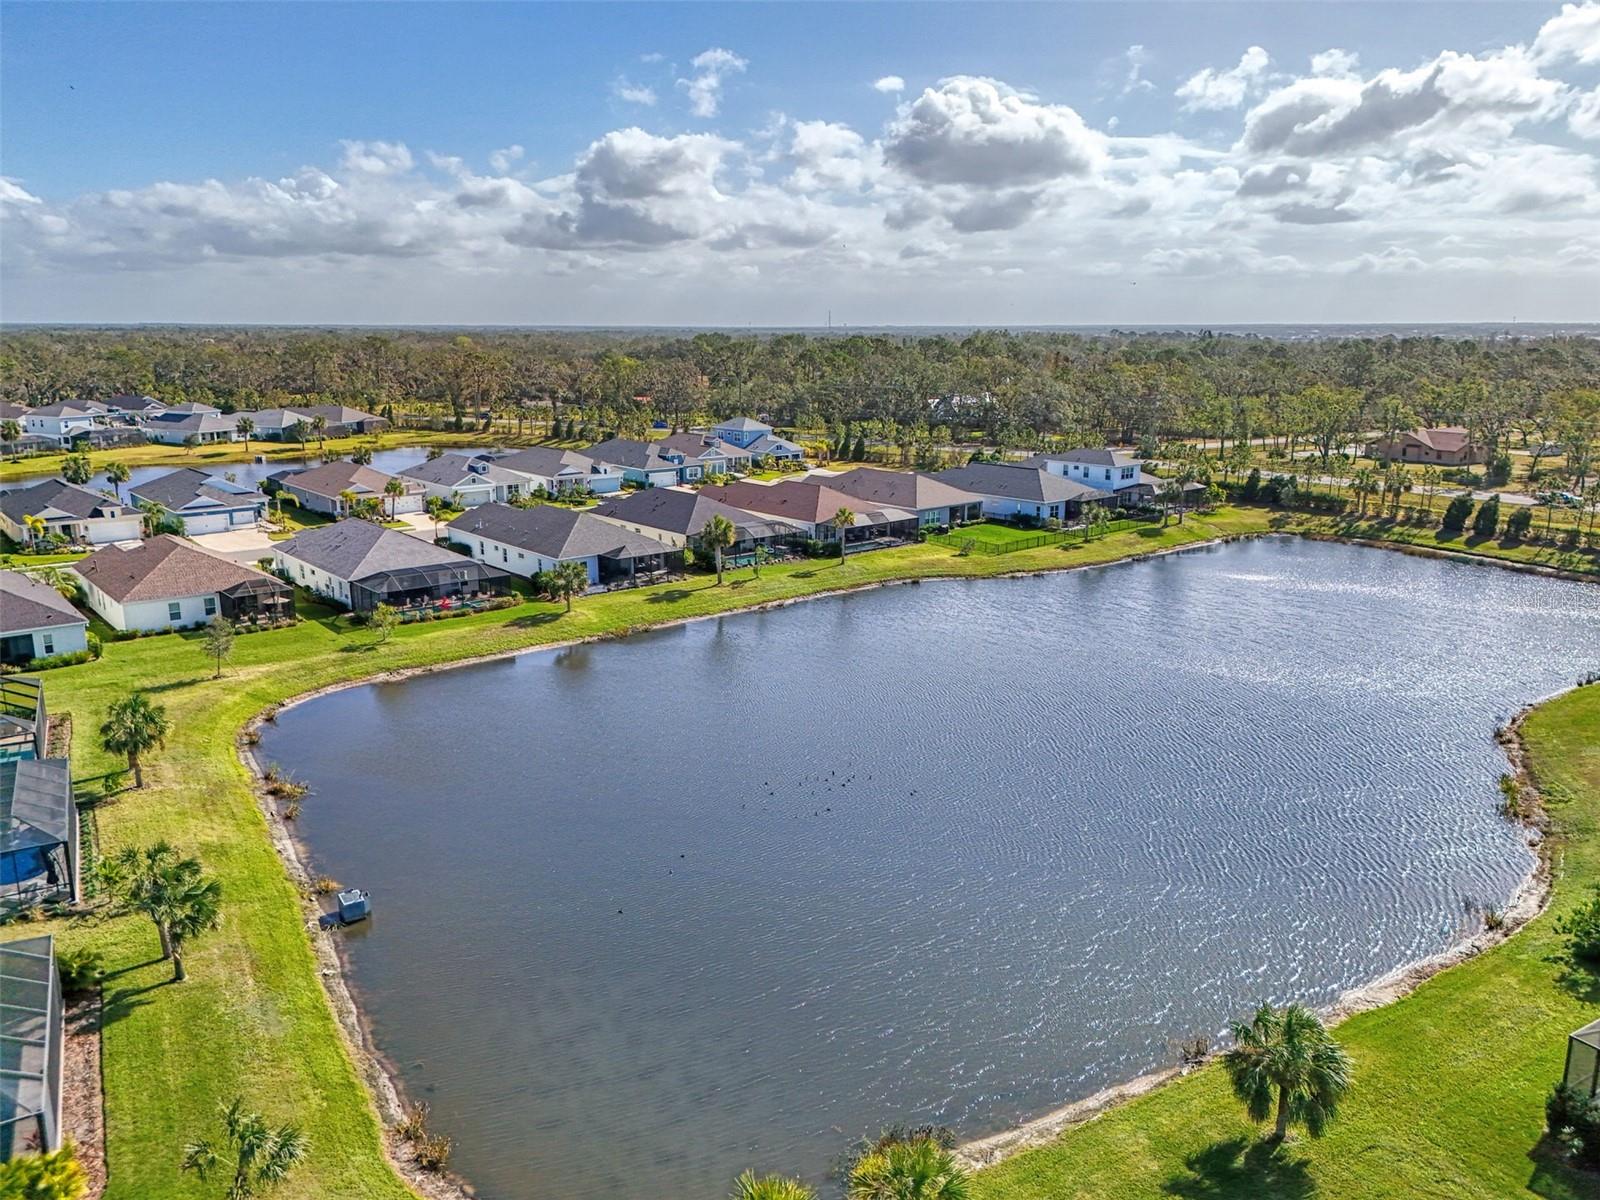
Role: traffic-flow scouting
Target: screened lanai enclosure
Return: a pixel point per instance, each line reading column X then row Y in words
column 262, row 601
column 1583, row 1059
column 429, row 585
column 30, row 1048
column 23, row 722
column 38, row 833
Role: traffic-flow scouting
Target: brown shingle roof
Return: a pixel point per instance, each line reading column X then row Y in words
column 160, row 569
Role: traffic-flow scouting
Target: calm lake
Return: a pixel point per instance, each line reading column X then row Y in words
column 738, row 892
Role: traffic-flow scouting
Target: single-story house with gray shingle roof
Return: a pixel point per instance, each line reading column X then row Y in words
column 714, row 456
column 321, row 489
column 1011, row 490
column 361, row 565
column 169, row 583
column 557, row 470
column 812, row 504
column 36, row 621
column 468, row 480
column 68, row 511
column 136, row 408
column 199, row 421
column 529, row 540
column 640, row 462
column 204, row 503
column 934, row 501
column 676, row 517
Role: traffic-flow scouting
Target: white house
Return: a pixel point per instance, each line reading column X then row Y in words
column 526, row 541
column 36, row 621
column 68, row 511
column 66, row 420
column 203, row 423
column 560, row 471
column 322, row 489
column 933, row 500
column 642, row 462
column 468, row 479
column 361, row 565
column 203, row 503
column 1106, row 470
column 168, row 583
column 1012, row 490
column 757, row 439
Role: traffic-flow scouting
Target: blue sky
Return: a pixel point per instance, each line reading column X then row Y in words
column 146, row 149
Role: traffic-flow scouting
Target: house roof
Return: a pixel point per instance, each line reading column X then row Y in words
column 1013, row 481
column 554, row 532
column 162, row 568
column 57, row 498
column 333, row 414
column 1449, row 439
column 625, row 452
column 69, row 408
column 800, row 500
column 685, row 513
column 902, row 489
column 697, row 445
column 12, row 411
column 191, row 407
column 187, row 487
column 546, row 462
column 28, row 604
column 453, row 470
column 353, row 549
column 129, row 402
column 743, row 425
column 771, row 443
column 175, row 420
column 1087, row 455
column 342, row 475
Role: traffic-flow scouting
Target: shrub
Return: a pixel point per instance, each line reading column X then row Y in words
column 1517, row 523
column 1574, row 1119
column 1455, row 516
column 54, row 1176
column 1499, row 471
column 1252, row 485
column 1582, row 927
column 80, row 969
column 1487, row 519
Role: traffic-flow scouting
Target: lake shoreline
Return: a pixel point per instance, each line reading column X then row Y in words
column 382, row 1079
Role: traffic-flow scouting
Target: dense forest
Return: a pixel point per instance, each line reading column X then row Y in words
column 1011, row 389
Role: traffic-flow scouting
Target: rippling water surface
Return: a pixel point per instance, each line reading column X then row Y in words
column 735, row 893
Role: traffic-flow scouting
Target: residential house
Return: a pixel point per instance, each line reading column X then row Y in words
column 1012, row 490
column 69, row 512
column 168, row 583
column 1446, row 446
column 676, row 517
column 201, row 502
column 561, row 471
column 934, row 501
column 36, row 621
column 135, row 408
column 362, row 565
column 32, row 1031
column 757, row 439
column 1106, row 470
column 812, row 504
column 322, row 489
column 468, row 480
column 526, row 541
column 643, row 463
column 65, row 421
column 278, row 424
column 201, row 422
column 714, row 456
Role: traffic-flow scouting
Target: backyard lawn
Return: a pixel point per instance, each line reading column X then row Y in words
column 1446, row 1077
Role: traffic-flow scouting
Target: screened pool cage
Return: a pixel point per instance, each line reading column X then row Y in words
column 1583, row 1059
column 23, row 722
column 38, row 833
column 266, row 600
column 30, row 1048
column 410, row 587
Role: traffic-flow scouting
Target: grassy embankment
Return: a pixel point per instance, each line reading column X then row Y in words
column 1450, row 1081
column 253, row 1019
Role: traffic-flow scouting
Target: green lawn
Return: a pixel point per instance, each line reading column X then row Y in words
column 253, row 1019
column 1450, row 1082
column 996, row 534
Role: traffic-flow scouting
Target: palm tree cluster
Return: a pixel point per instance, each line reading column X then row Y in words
column 176, row 893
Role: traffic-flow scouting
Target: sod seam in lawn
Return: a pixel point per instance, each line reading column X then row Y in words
column 254, row 1019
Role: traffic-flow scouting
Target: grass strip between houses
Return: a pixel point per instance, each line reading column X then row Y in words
column 1451, row 1078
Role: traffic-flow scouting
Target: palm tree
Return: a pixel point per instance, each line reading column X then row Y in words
column 347, row 502
column 571, row 577
column 300, row 432
column 133, row 726
column 11, row 433
column 180, row 899
column 842, row 520
column 246, row 427
column 75, row 468
column 319, row 427
column 436, row 507
column 1285, row 1058
column 117, row 474
column 1366, row 482
column 394, row 489
column 751, row 1186
column 718, row 534
column 36, row 528
column 262, row 1155
column 155, row 516
column 915, row 1169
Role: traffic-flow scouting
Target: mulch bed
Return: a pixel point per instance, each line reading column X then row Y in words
column 82, row 1103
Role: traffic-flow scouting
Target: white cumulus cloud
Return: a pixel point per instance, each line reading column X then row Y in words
column 711, row 69
column 890, row 84
column 1215, row 91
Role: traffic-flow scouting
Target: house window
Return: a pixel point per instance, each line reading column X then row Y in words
column 1108, row 472
column 49, row 644
column 174, row 611
column 211, row 606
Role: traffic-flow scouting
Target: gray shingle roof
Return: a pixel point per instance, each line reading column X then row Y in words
column 162, row 568
column 331, row 478
column 1016, row 482
column 624, row 452
column 1087, row 455
column 742, row 424
column 28, row 604
column 684, row 513
column 554, row 532
column 452, row 470
column 546, row 461
column 178, row 489
column 353, row 549
column 59, row 496
column 902, row 489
